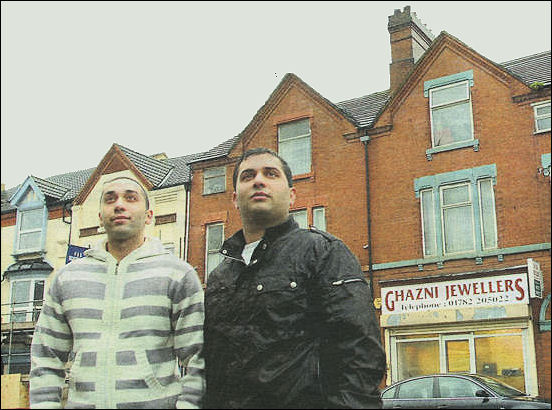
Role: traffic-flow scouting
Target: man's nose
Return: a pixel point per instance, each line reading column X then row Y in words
column 259, row 180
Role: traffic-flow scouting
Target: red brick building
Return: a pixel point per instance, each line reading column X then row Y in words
column 440, row 186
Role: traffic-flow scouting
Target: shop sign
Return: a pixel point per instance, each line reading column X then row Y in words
column 493, row 290
column 536, row 283
column 74, row 252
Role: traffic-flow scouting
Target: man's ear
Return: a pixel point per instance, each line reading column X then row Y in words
column 149, row 217
column 235, row 200
column 100, row 217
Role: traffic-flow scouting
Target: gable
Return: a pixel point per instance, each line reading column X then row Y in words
column 447, row 56
column 114, row 161
column 27, row 193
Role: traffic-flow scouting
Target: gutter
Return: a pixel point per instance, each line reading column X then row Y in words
column 365, row 140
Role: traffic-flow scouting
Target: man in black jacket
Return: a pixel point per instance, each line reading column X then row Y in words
column 289, row 320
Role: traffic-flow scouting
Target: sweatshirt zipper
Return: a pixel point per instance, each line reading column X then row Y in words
column 344, row 281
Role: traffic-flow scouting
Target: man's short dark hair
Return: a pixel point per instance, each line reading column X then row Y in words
column 145, row 194
column 260, row 151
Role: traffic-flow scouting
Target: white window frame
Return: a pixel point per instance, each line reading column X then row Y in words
column 322, row 210
column 21, row 211
column 306, row 137
column 442, row 207
column 481, row 220
column 211, row 251
column 538, row 117
column 217, row 173
column 302, row 213
column 432, row 107
column 432, row 196
column 26, row 307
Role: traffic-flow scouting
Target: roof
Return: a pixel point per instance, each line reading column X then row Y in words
column 530, row 69
column 163, row 173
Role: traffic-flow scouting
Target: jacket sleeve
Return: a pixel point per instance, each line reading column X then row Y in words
column 187, row 317
column 352, row 360
column 50, row 348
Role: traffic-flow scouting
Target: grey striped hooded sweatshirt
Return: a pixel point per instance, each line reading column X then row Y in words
column 124, row 324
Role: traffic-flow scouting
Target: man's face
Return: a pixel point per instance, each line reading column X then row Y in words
column 123, row 210
column 262, row 192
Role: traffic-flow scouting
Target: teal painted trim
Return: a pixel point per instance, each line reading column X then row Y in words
column 450, row 147
column 544, row 324
column 18, row 195
column 462, row 175
column 493, row 252
column 449, row 79
column 545, row 160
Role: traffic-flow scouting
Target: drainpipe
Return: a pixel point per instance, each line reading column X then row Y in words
column 365, row 140
column 70, row 223
column 187, row 236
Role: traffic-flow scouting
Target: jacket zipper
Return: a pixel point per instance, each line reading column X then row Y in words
column 344, row 281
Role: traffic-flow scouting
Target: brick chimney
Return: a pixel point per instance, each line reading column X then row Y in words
column 410, row 38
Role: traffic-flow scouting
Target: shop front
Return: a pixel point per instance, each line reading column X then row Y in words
column 461, row 323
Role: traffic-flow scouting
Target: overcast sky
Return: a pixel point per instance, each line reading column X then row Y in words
column 181, row 77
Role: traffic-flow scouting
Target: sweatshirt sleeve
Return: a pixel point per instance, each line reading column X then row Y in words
column 187, row 317
column 50, row 348
column 352, row 359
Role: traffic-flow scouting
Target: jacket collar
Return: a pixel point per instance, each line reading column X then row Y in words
column 150, row 247
column 234, row 245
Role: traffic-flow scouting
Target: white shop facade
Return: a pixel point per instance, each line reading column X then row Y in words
column 477, row 323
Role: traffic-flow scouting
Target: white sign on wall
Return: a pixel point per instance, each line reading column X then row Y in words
column 536, row 282
column 488, row 291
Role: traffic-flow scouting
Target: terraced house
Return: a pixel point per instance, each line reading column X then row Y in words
column 440, row 185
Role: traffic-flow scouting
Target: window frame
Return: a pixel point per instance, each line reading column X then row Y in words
column 21, row 211
column 211, row 251
column 473, row 178
column 443, row 208
column 30, row 306
column 307, row 137
column 538, row 117
column 452, row 103
column 209, row 178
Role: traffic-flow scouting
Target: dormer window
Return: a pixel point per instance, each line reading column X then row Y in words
column 32, row 216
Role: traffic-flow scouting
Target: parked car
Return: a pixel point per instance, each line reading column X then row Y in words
column 457, row 391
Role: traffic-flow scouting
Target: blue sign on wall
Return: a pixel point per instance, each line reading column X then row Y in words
column 74, row 252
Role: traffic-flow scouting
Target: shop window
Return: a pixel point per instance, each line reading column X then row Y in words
column 542, row 116
column 213, row 242
column 214, row 180
column 496, row 353
column 417, row 356
column 457, row 217
column 294, row 145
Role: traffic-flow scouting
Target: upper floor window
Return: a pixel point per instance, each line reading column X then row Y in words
column 31, row 223
column 318, row 219
column 213, row 242
column 542, row 116
column 294, row 145
column 214, row 180
column 451, row 114
column 458, row 217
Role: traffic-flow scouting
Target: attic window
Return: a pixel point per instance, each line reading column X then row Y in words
column 294, row 145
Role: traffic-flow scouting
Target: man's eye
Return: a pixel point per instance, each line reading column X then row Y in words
column 272, row 173
column 246, row 176
column 109, row 199
column 131, row 198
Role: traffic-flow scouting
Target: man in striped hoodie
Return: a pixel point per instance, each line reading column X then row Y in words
column 124, row 313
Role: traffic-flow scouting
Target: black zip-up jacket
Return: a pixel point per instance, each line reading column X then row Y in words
column 295, row 328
